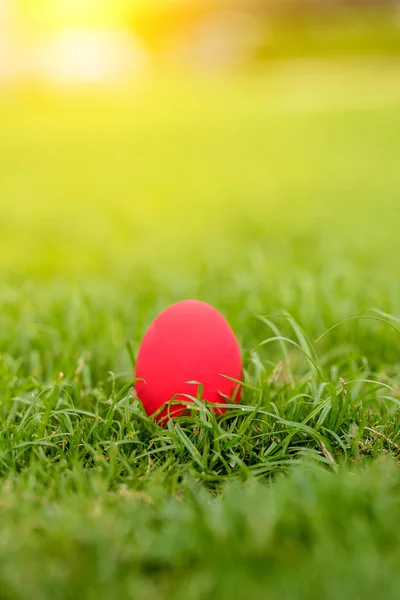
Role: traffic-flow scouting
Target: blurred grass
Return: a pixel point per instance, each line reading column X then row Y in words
column 180, row 171
column 311, row 535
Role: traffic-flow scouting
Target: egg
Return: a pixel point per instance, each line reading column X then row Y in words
column 188, row 343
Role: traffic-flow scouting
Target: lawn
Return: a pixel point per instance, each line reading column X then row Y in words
column 273, row 195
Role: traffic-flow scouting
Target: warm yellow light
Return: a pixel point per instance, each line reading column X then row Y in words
column 76, row 13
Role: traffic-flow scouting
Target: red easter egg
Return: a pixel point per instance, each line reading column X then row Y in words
column 188, row 342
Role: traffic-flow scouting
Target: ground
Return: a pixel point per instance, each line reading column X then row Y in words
column 272, row 195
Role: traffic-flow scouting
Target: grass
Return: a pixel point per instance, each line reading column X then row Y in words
column 272, row 196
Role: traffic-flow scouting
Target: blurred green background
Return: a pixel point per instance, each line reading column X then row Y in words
column 299, row 161
column 237, row 128
column 254, row 145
